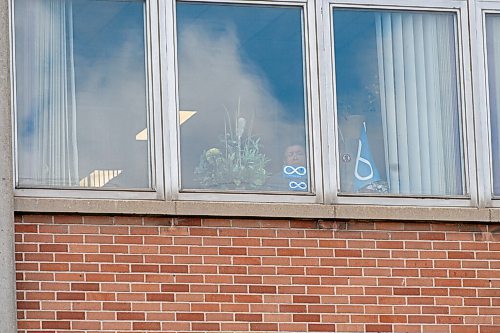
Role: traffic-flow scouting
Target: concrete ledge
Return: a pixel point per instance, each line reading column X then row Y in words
column 264, row 210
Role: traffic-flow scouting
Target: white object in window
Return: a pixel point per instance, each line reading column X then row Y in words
column 49, row 152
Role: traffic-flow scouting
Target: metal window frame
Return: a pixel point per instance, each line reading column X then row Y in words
column 311, row 98
column 481, row 83
column 167, row 198
column 153, row 106
column 328, row 93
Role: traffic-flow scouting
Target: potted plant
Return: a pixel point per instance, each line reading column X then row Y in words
column 237, row 163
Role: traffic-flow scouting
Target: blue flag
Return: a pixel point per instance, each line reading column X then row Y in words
column 365, row 171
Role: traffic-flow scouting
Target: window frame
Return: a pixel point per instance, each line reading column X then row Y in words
column 153, row 117
column 481, row 80
column 311, row 103
column 459, row 8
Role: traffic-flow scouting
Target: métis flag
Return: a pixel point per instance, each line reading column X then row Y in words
column 365, row 171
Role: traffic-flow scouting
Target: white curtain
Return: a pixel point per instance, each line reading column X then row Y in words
column 419, row 102
column 493, row 40
column 46, row 93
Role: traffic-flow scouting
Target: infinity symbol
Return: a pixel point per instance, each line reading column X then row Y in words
column 300, row 185
column 290, row 170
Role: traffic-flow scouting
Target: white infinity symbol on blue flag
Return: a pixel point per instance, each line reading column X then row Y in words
column 290, row 170
column 294, row 185
column 362, row 160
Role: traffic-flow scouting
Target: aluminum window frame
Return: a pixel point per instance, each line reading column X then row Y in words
column 311, row 102
column 153, row 117
column 483, row 112
column 459, row 8
column 320, row 101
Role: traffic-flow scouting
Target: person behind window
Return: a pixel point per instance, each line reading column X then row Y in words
column 295, row 155
column 293, row 174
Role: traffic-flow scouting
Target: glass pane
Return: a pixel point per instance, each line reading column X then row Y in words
column 397, row 103
column 242, row 98
column 493, row 49
column 81, row 94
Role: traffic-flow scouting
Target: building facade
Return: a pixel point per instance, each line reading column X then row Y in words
column 237, row 166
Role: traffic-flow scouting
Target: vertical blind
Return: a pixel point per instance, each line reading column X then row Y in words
column 419, row 102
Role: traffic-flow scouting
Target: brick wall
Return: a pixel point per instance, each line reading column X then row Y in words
column 121, row 274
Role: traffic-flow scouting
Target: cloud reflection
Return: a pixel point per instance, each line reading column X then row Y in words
column 214, row 77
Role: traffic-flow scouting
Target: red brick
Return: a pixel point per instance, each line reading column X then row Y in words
column 347, row 253
column 460, row 255
column 393, row 319
column 350, row 309
column 291, row 289
column 116, row 306
column 219, row 298
column 348, row 271
column 232, row 251
column 450, row 320
column 306, row 299
column 247, row 261
column 378, row 328
column 56, row 324
column 70, row 296
column 33, row 305
column 113, row 249
column 292, row 308
column 145, row 268
column 175, row 288
column 205, row 327
column 127, row 258
column 85, row 286
column 26, row 228
column 128, row 239
column 464, row 329
column 70, row 315
column 148, row 326
column 263, row 327
column 248, row 317
column 189, row 316
column 262, row 289
column 28, row 218
column 232, row 270
column 98, row 220
column 68, row 219
column 130, row 316
column 127, row 220
column 290, row 252
column 306, row 318
column 248, row 299
column 321, row 327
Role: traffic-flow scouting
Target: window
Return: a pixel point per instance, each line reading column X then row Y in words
column 81, row 94
column 242, row 103
column 380, row 102
column 493, row 51
column 398, row 105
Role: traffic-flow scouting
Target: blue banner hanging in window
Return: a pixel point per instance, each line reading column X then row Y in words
column 365, row 171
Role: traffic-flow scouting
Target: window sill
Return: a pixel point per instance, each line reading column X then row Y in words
column 264, row 210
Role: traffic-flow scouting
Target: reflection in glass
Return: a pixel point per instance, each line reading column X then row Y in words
column 241, row 75
column 493, row 49
column 397, row 103
column 81, row 94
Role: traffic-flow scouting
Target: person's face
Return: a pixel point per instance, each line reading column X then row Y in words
column 295, row 155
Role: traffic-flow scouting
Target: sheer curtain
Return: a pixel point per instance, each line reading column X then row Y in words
column 46, row 93
column 493, row 40
column 419, row 102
